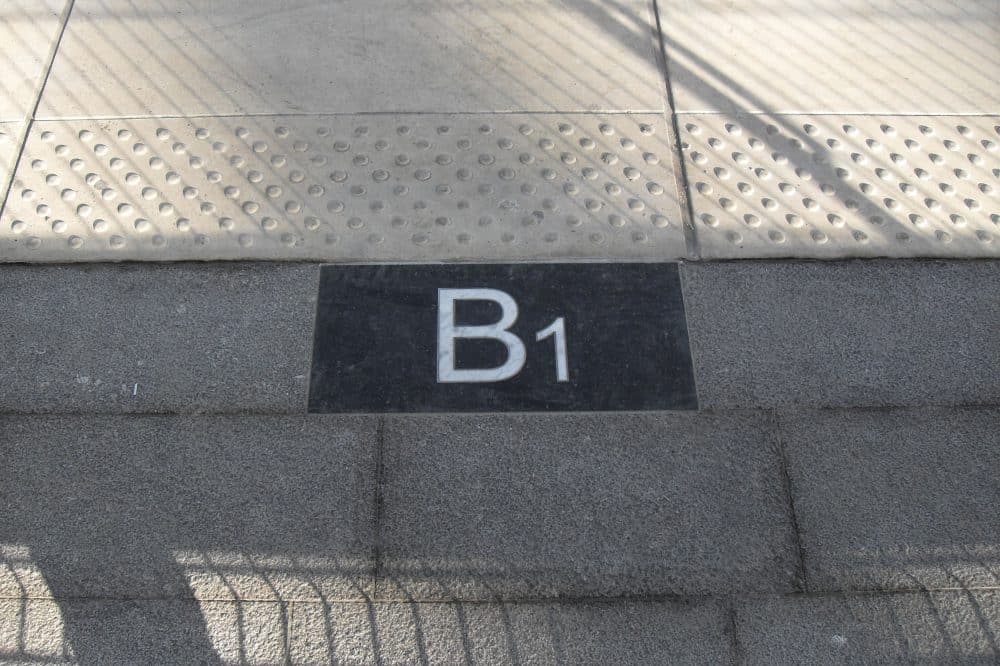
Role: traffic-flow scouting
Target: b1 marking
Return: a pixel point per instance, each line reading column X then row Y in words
column 499, row 338
column 448, row 332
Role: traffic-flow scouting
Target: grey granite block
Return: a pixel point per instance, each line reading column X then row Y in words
column 897, row 499
column 156, row 337
column 215, row 508
column 112, row 633
column 952, row 627
column 494, row 633
column 524, row 506
column 841, row 334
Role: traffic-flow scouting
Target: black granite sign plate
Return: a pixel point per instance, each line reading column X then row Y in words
column 501, row 337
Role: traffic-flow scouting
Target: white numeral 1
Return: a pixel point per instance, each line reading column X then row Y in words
column 558, row 329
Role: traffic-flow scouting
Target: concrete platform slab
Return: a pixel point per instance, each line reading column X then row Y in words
column 529, row 633
column 123, row 632
column 346, row 188
column 214, row 508
column 952, row 627
column 166, row 338
column 860, row 56
column 902, row 499
column 171, row 57
column 844, row 186
column 483, row 507
column 126, row 632
column 770, row 334
column 28, row 32
column 10, row 135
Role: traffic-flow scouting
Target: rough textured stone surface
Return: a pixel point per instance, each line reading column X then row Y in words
column 929, row 628
column 844, row 334
column 155, row 338
column 477, row 633
column 898, row 499
column 543, row 505
column 142, row 632
column 218, row 508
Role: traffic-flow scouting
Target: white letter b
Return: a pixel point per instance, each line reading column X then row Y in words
column 448, row 332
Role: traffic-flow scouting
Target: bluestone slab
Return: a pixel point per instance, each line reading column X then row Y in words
column 483, row 633
column 214, row 508
column 842, row 334
column 947, row 627
column 525, row 506
column 898, row 499
column 156, row 338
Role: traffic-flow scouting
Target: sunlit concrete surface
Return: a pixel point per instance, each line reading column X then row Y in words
column 832, row 129
column 28, row 31
column 175, row 57
column 879, row 57
column 9, row 137
column 526, row 131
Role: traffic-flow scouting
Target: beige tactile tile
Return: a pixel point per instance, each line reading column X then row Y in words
column 177, row 57
column 375, row 187
column 28, row 30
column 828, row 186
column 831, row 56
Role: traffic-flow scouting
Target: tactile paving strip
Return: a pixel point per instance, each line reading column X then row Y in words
column 844, row 186
column 374, row 187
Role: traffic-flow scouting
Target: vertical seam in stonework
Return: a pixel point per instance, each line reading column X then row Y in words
column 734, row 638
column 29, row 120
column 686, row 205
column 690, row 338
column 379, row 474
column 801, row 584
column 312, row 338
